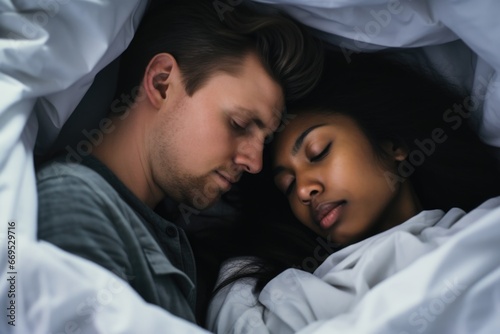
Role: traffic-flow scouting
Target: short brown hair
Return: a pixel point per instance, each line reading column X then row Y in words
column 203, row 40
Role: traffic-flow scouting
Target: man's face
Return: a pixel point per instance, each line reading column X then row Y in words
column 200, row 145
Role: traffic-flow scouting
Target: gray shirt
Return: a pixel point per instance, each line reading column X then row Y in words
column 86, row 210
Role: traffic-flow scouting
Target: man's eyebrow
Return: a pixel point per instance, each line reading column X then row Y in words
column 254, row 116
column 303, row 135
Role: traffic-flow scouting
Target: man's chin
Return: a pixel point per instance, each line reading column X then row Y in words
column 204, row 202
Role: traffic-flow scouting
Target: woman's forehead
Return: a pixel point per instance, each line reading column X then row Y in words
column 291, row 132
column 301, row 121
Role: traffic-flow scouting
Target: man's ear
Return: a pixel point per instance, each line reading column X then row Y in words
column 398, row 151
column 157, row 78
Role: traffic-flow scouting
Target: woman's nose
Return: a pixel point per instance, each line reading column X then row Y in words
column 308, row 188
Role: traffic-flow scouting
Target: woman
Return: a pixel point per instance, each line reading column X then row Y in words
column 375, row 144
column 376, row 157
column 334, row 181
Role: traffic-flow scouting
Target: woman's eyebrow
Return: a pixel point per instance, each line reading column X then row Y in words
column 303, row 135
column 296, row 146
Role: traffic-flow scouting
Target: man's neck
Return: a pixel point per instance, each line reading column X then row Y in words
column 121, row 152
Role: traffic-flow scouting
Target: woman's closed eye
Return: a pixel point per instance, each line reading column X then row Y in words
column 290, row 185
column 285, row 183
column 322, row 154
column 289, row 188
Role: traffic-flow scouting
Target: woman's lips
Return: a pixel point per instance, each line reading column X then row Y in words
column 327, row 214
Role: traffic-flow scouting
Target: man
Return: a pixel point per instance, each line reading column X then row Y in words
column 208, row 86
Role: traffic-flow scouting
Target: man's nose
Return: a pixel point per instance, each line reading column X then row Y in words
column 249, row 155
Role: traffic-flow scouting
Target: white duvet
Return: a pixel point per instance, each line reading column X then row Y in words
column 435, row 273
column 50, row 51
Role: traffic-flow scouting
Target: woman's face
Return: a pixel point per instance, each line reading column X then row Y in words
column 333, row 180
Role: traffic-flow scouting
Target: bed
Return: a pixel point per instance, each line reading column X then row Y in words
column 57, row 56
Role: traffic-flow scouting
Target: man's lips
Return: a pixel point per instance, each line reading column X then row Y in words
column 327, row 214
column 227, row 180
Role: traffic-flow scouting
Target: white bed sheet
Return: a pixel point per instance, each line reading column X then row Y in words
column 58, row 293
column 366, row 25
column 435, row 273
column 50, row 51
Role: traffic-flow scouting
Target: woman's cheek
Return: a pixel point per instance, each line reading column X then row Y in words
column 300, row 211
